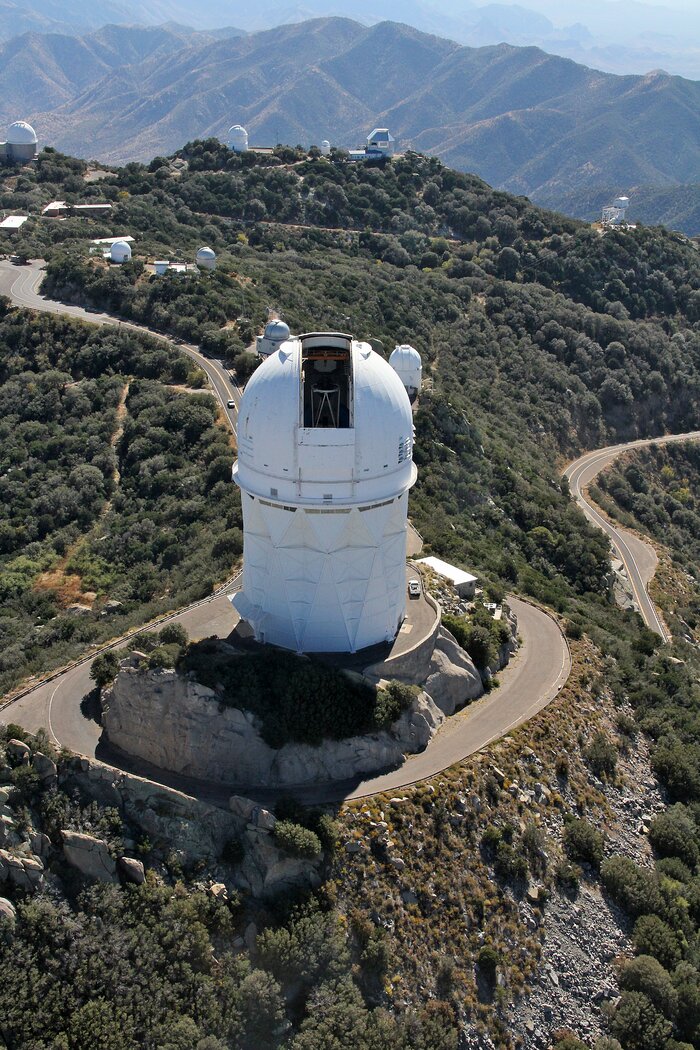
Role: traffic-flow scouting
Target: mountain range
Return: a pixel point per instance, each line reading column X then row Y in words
column 632, row 37
column 524, row 120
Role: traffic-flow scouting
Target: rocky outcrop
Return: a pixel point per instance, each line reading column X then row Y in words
column 198, row 830
column 452, row 679
column 7, row 910
column 24, row 872
column 89, row 855
column 177, row 724
column 132, row 870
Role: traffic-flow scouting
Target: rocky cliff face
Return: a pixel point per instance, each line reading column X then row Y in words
column 180, row 725
column 175, row 723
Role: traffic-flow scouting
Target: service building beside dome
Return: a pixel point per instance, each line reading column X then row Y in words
column 325, row 463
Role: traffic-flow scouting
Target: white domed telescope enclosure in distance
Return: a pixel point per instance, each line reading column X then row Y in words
column 276, row 332
column 325, row 463
column 205, row 258
column 406, row 362
column 238, row 138
column 120, row 252
column 325, row 148
column 21, row 145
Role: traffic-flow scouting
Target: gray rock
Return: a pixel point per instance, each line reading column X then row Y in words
column 7, row 910
column 41, row 844
column 27, row 873
column 18, row 752
column 132, row 870
column 250, row 936
column 89, row 855
column 452, row 677
column 177, row 724
column 218, row 891
column 353, row 847
column 45, row 766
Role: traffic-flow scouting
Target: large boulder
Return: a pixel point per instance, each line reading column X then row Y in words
column 89, row 855
column 45, row 767
column 7, row 910
column 17, row 752
column 26, row 873
column 132, row 870
column 452, row 680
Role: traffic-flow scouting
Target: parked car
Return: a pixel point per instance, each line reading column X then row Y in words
column 414, row 589
column 231, row 403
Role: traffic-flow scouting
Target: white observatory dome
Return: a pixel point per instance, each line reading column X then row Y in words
column 276, row 332
column 21, row 134
column 120, row 252
column 325, row 148
column 406, row 362
column 206, row 258
column 238, row 138
column 325, row 446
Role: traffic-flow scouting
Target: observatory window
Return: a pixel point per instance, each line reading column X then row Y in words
column 327, row 387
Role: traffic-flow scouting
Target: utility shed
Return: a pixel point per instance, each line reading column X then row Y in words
column 463, row 582
column 13, row 222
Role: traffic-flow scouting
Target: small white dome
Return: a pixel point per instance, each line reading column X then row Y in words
column 238, row 138
column 206, row 258
column 325, row 147
column 21, row 134
column 120, row 252
column 407, row 363
column 277, row 331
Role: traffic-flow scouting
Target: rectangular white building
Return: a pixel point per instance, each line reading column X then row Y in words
column 463, row 582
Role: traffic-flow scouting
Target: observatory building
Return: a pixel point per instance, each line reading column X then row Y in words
column 615, row 214
column 276, row 332
column 325, row 148
column 381, row 141
column 238, row 138
column 406, row 362
column 120, row 252
column 206, row 258
column 21, row 145
column 325, row 462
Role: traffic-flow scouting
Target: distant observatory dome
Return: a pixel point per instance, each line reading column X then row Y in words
column 325, row 148
column 238, row 138
column 120, row 252
column 276, row 332
column 21, row 134
column 325, row 462
column 406, row 362
column 206, row 258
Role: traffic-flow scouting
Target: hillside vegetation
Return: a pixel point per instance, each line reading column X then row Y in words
column 540, row 337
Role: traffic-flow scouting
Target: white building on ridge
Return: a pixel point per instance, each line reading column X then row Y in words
column 615, row 214
column 381, row 141
column 21, row 145
column 206, row 258
column 238, row 138
column 325, row 463
column 406, row 362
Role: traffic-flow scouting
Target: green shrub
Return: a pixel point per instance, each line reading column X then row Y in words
column 392, row 701
column 646, row 974
column 634, row 888
column 582, row 842
column 601, row 755
column 234, row 851
column 489, row 961
column 674, row 868
column 674, row 834
column 297, row 840
column 104, row 668
column 173, row 634
column 567, row 1041
column 652, row 936
column 637, row 1023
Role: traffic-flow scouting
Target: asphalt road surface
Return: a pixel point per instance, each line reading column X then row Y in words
column 61, row 705
column 638, row 557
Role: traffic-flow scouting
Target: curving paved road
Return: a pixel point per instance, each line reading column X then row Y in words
column 638, row 557
column 529, row 683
